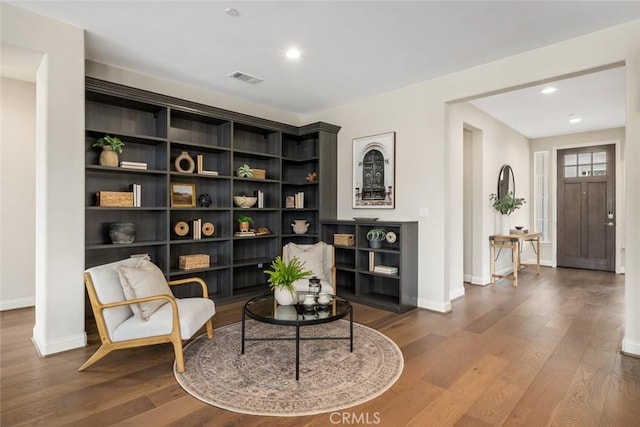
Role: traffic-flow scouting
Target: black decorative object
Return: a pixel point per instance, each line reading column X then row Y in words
column 122, row 232
column 204, row 200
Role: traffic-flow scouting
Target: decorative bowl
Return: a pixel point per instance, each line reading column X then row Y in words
column 245, row 201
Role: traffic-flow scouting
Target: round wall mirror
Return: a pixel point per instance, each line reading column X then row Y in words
column 506, row 182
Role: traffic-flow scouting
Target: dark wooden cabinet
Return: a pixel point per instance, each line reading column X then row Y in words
column 356, row 275
column 156, row 129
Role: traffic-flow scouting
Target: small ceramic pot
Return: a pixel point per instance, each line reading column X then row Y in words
column 108, row 157
column 300, row 226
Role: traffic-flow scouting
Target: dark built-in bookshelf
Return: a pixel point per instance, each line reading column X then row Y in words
column 156, row 129
column 356, row 277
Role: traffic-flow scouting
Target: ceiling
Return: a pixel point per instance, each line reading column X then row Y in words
column 350, row 49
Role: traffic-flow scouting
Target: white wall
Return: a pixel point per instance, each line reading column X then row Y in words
column 178, row 90
column 500, row 145
column 551, row 145
column 17, row 199
column 59, row 174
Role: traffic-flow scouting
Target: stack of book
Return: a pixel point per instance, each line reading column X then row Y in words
column 196, row 226
column 260, row 196
column 136, row 189
column 385, row 269
column 200, row 167
column 133, row 165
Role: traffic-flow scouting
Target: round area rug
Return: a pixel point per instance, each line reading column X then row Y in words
column 262, row 381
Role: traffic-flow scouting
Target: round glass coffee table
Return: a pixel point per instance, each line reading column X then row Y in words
column 264, row 309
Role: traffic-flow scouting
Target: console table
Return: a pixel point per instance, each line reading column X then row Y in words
column 513, row 242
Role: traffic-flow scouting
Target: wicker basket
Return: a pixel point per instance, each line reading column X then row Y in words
column 114, row 199
column 189, row 262
column 344, row 239
column 259, row 173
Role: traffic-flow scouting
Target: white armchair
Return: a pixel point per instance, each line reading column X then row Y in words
column 133, row 307
column 319, row 258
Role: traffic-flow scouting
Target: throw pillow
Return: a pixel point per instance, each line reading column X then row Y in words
column 312, row 256
column 144, row 280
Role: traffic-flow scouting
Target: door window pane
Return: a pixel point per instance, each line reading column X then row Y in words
column 600, row 169
column 600, row 157
column 570, row 159
column 584, row 170
column 584, row 158
column 570, row 172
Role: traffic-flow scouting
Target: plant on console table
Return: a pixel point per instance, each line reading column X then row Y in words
column 282, row 276
column 111, row 147
column 506, row 205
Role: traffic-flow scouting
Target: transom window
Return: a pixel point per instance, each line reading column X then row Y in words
column 585, row 164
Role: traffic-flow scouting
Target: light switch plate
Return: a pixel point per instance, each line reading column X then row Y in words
column 423, row 212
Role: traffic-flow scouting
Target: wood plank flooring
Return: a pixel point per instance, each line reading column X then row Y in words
column 545, row 353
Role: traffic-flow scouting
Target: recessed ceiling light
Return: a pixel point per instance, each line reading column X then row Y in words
column 574, row 119
column 549, row 89
column 232, row 12
column 293, row 53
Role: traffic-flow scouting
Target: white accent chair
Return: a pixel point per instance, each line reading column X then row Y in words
column 177, row 320
column 319, row 258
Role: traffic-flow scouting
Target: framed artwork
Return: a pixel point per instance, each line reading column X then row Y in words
column 183, row 195
column 374, row 171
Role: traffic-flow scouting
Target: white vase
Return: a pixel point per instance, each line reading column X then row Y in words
column 505, row 225
column 284, row 296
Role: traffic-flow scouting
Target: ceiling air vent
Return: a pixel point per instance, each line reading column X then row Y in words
column 247, row 78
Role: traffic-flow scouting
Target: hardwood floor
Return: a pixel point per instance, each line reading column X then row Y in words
column 545, row 353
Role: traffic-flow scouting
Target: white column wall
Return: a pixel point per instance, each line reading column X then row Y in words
column 17, row 198
column 59, row 180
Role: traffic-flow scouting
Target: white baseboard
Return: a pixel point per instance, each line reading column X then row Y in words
column 12, row 304
column 439, row 306
column 456, row 294
column 630, row 347
column 60, row 344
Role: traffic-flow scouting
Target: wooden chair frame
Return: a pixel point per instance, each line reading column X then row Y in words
column 173, row 337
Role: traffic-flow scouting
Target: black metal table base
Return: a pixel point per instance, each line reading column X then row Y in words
column 298, row 338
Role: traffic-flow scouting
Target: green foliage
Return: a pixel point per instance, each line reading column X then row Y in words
column 245, row 218
column 245, row 171
column 114, row 142
column 282, row 274
column 507, row 204
column 376, row 234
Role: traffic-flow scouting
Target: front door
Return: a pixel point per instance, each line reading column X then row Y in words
column 586, row 208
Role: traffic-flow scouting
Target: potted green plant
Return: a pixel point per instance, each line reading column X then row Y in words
column 282, row 275
column 375, row 236
column 506, row 205
column 243, row 222
column 111, row 147
column 245, row 171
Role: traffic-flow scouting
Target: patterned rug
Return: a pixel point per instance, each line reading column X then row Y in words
column 262, row 381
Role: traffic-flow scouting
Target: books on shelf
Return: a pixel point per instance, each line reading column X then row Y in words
column 244, row 233
column 200, row 167
column 199, row 163
column 260, row 196
column 196, row 226
column 372, row 260
column 299, row 200
column 136, row 189
column 132, row 165
column 385, row 269
column 289, row 202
